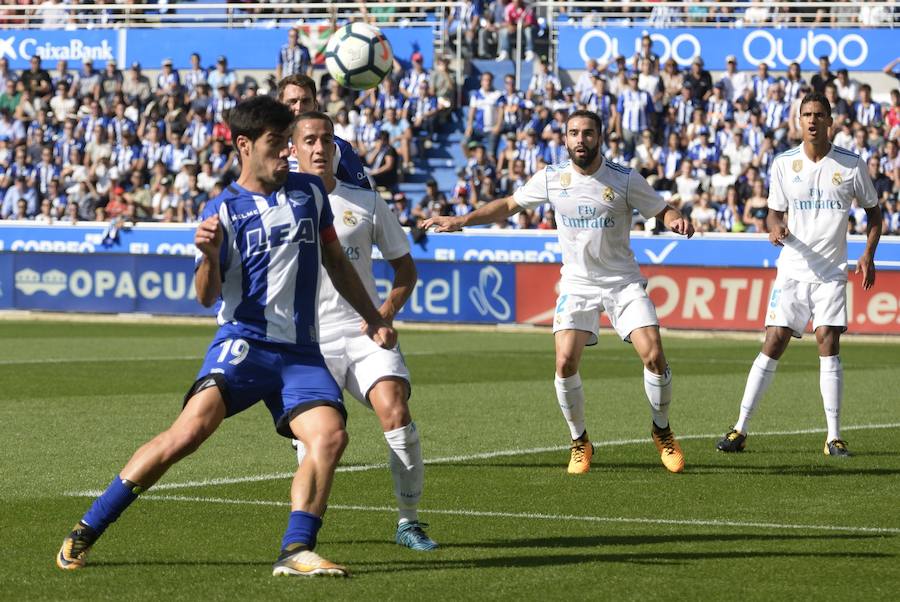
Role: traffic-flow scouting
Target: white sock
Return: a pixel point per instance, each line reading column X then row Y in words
column 407, row 469
column 659, row 393
column 831, row 384
column 570, row 395
column 761, row 374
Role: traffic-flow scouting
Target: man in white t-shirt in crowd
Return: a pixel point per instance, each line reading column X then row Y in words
column 377, row 377
column 593, row 199
column 815, row 184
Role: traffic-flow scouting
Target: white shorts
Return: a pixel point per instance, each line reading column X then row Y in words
column 358, row 364
column 792, row 304
column 628, row 307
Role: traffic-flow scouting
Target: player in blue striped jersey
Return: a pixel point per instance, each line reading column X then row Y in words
column 260, row 246
column 298, row 92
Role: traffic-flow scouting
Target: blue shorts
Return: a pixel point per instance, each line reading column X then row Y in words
column 290, row 380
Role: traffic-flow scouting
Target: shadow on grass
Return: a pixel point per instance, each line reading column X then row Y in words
column 434, row 563
column 635, row 540
column 638, row 540
column 211, row 563
column 840, row 467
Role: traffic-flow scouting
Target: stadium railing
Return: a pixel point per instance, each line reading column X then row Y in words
column 698, row 13
column 217, row 14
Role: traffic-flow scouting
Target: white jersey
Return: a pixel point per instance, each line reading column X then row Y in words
column 361, row 218
column 593, row 218
column 817, row 198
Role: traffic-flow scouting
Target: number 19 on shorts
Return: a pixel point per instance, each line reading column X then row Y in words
column 236, row 349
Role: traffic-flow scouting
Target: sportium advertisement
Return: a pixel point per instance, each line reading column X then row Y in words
column 703, row 298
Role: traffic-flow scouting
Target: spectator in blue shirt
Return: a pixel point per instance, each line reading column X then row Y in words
column 19, row 191
column 223, row 77
column 293, row 58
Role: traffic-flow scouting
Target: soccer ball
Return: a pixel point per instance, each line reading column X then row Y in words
column 358, row 56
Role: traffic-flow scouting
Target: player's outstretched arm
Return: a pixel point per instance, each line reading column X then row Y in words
column 486, row 214
column 778, row 230
column 207, row 278
column 675, row 221
column 865, row 265
column 347, row 283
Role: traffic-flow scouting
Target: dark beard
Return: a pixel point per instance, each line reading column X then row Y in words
column 589, row 156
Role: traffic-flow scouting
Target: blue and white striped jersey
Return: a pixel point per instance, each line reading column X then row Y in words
column 634, row 107
column 270, row 259
column 867, row 114
column 294, row 59
column 348, row 167
column 761, row 87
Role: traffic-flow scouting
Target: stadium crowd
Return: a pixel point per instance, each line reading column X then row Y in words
column 97, row 144
column 706, row 144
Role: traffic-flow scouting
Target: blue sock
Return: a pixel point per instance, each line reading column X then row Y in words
column 111, row 503
column 302, row 528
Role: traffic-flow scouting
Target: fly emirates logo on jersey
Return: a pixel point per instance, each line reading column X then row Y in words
column 588, row 219
column 816, row 201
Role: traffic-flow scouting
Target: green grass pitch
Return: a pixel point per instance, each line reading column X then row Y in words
column 780, row 521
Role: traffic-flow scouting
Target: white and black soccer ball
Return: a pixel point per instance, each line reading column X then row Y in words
column 359, row 56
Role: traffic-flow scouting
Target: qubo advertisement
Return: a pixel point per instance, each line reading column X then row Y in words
column 853, row 49
column 99, row 284
column 458, row 292
column 715, row 298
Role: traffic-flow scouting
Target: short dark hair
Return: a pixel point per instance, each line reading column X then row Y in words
column 587, row 115
column 315, row 115
column 253, row 117
column 297, row 79
column 816, row 97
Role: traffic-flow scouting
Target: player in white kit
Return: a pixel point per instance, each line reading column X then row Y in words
column 593, row 199
column 377, row 377
column 814, row 184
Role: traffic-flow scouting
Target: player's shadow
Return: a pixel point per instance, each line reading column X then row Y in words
column 588, row 541
column 643, row 558
column 840, row 468
column 639, row 540
column 211, row 563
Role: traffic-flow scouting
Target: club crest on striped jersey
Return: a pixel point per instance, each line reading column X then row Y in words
column 296, row 197
column 608, row 195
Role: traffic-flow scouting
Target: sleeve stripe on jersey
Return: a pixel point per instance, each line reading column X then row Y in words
column 844, row 151
column 619, row 168
column 789, row 153
column 317, row 196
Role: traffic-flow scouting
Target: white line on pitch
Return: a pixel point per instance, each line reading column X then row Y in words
column 479, row 456
column 82, row 360
column 198, row 357
column 548, row 517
